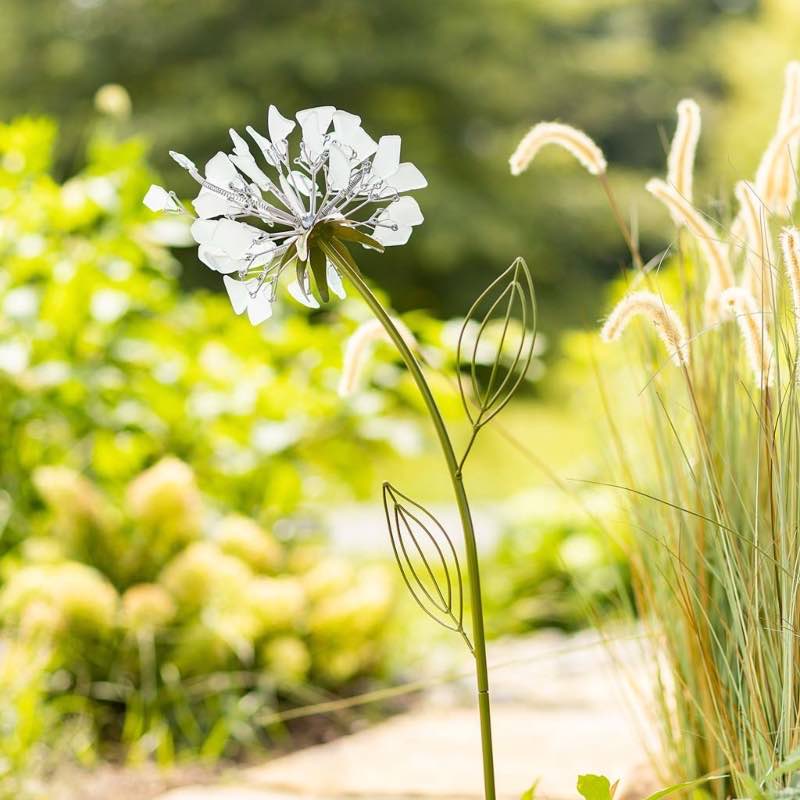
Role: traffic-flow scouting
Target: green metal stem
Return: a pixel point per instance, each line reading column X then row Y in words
column 470, row 547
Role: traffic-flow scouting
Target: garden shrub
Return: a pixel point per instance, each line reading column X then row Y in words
column 152, row 443
column 159, row 649
column 559, row 562
column 106, row 366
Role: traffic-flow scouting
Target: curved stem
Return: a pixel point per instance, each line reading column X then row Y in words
column 341, row 260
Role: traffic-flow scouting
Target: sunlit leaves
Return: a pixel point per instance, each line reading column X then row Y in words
column 596, row 787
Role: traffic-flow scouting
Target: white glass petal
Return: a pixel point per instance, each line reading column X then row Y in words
column 243, row 159
column 264, row 145
column 259, row 308
column 407, row 178
column 295, row 206
column 364, row 145
column 239, row 145
column 405, row 211
column 322, row 114
column 247, row 165
column 387, row 157
column 313, row 139
column 388, row 237
column 234, row 238
column 159, row 199
column 357, row 140
column 279, row 127
column 221, row 172
column 335, row 281
column 208, row 255
column 350, row 133
column 181, row 160
column 301, row 182
column 209, row 204
column 261, row 254
column 217, row 260
column 338, row 168
column 202, row 230
column 345, row 121
column 304, row 298
column 238, row 294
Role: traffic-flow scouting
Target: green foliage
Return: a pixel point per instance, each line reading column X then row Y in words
column 26, row 718
column 530, row 794
column 595, row 787
column 167, row 624
column 708, row 457
column 460, row 80
column 104, row 365
column 174, row 630
column 598, row 787
column 558, row 562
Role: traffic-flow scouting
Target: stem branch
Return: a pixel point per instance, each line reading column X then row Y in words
column 341, row 260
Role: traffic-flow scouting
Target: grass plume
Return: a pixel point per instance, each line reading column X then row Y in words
column 776, row 178
column 573, row 140
column 358, row 351
column 710, row 462
column 790, row 244
column 756, row 339
column 710, row 241
column 664, row 318
column 680, row 162
column 758, row 276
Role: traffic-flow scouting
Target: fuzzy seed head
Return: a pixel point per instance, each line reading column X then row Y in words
column 359, row 349
column 790, row 244
column 754, row 333
column 573, row 140
column 714, row 250
column 776, row 179
column 680, row 163
column 758, row 279
column 664, row 318
column 790, row 103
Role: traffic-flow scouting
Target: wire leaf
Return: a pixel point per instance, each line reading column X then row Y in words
column 427, row 559
column 509, row 297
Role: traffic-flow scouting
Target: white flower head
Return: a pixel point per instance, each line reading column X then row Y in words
column 256, row 220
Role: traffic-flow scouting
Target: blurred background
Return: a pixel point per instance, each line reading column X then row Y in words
column 460, row 80
column 171, row 478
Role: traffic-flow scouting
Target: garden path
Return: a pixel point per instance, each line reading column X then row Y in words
column 561, row 708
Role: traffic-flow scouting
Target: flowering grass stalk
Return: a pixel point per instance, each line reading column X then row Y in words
column 667, row 323
column 342, row 189
column 358, row 348
column 709, row 454
column 790, row 243
column 757, row 275
column 680, row 162
column 573, row 140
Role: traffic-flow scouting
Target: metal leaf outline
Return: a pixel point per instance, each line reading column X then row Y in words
column 514, row 292
column 410, row 525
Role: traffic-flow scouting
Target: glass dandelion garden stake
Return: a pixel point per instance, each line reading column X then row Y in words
column 300, row 210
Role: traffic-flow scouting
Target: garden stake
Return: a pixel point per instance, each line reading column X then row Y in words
column 310, row 219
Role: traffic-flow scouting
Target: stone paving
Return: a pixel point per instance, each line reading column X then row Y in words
column 561, row 705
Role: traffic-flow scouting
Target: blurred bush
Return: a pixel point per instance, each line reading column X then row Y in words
column 159, row 620
column 460, row 80
column 559, row 563
column 35, row 732
column 105, row 366
column 175, row 639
